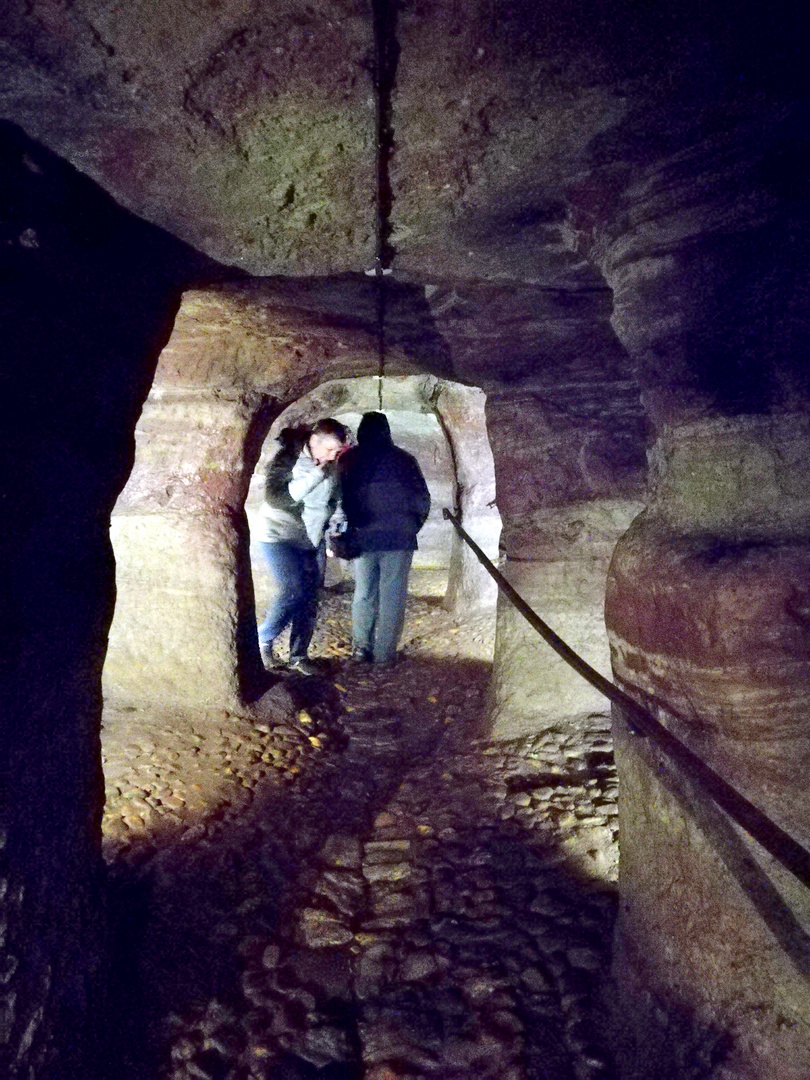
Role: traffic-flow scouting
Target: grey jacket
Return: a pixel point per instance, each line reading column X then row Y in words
column 317, row 488
column 300, row 496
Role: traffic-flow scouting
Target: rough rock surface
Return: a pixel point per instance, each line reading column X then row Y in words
column 461, row 411
column 712, row 632
column 250, row 131
column 357, row 884
column 86, row 295
column 706, row 611
column 241, row 352
column 658, row 150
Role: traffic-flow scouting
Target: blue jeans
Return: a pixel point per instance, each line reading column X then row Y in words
column 295, row 578
column 378, row 607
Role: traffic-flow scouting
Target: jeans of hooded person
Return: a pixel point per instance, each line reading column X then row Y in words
column 294, row 571
column 378, row 607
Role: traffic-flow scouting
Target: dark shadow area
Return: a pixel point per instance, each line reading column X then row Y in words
column 88, row 293
column 252, row 681
column 687, row 50
column 667, row 1040
column 747, row 358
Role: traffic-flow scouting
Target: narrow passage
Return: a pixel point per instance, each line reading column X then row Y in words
column 355, row 884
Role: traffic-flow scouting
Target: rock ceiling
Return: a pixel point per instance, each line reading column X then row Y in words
column 248, row 127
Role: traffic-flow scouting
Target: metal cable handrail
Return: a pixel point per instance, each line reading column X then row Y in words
column 782, row 846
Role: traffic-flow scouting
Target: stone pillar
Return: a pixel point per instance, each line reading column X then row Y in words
column 568, row 483
column 461, row 410
column 183, row 634
column 708, row 610
column 709, row 613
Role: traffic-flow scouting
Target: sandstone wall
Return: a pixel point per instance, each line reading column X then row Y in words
column 706, row 609
column 249, row 133
column 565, row 425
column 542, row 152
column 241, row 352
column 179, row 532
column 461, row 409
column 184, row 632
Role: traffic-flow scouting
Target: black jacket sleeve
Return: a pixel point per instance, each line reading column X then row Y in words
column 278, row 476
column 419, row 496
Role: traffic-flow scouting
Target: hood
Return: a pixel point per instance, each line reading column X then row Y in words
column 374, row 430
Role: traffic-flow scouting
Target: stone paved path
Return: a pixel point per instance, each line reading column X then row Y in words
column 353, row 884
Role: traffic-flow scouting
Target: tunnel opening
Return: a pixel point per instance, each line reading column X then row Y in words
column 569, row 472
column 325, row 878
column 443, row 425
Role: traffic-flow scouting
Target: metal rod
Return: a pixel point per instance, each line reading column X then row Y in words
column 603, row 685
column 380, row 285
column 766, row 832
column 386, row 59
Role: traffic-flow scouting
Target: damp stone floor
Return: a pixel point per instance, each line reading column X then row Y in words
column 352, row 883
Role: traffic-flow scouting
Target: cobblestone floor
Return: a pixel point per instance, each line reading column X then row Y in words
column 355, row 884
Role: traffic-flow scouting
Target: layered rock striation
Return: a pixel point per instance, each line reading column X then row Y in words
column 586, row 202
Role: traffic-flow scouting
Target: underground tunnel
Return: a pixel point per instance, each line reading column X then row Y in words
column 568, row 245
column 454, row 453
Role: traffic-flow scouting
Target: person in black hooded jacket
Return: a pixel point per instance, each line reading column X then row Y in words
column 386, row 502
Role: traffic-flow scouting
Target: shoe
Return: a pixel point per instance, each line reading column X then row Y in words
column 302, row 666
column 361, row 656
column 269, row 659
